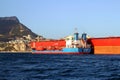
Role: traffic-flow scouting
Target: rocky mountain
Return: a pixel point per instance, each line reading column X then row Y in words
column 10, row 28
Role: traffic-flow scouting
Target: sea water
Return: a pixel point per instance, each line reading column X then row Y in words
column 29, row 66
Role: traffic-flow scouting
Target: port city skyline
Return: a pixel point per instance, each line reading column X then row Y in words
column 59, row 18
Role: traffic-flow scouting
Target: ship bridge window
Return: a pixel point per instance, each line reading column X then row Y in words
column 72, row 38
column 67, row 39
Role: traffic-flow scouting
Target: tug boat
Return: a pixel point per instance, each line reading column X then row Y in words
column 70, row 45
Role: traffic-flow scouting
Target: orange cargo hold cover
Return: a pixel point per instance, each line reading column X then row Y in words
column 107, row 50
column 48, row 45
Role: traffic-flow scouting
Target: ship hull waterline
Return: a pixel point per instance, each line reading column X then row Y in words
column 58, row 52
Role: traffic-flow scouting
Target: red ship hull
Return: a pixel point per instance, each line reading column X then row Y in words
column 48, row 45
column 108, row 45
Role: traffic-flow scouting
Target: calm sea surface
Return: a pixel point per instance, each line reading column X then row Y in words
column 59, row 67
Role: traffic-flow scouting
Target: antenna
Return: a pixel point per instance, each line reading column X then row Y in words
column 76, row 34
column 76, row 30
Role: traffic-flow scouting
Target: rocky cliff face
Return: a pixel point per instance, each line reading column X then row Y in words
column 10, row 28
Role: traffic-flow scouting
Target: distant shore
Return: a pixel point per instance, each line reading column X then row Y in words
column 16, row 52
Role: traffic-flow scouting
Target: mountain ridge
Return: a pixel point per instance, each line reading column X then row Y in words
column 11, row 27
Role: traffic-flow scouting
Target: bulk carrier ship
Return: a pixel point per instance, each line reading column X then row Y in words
column 70, row 45
column 105, row 45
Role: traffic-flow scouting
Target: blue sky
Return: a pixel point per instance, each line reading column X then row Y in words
column 59, row 18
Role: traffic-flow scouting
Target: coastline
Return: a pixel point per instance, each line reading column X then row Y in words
column 22, row 52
